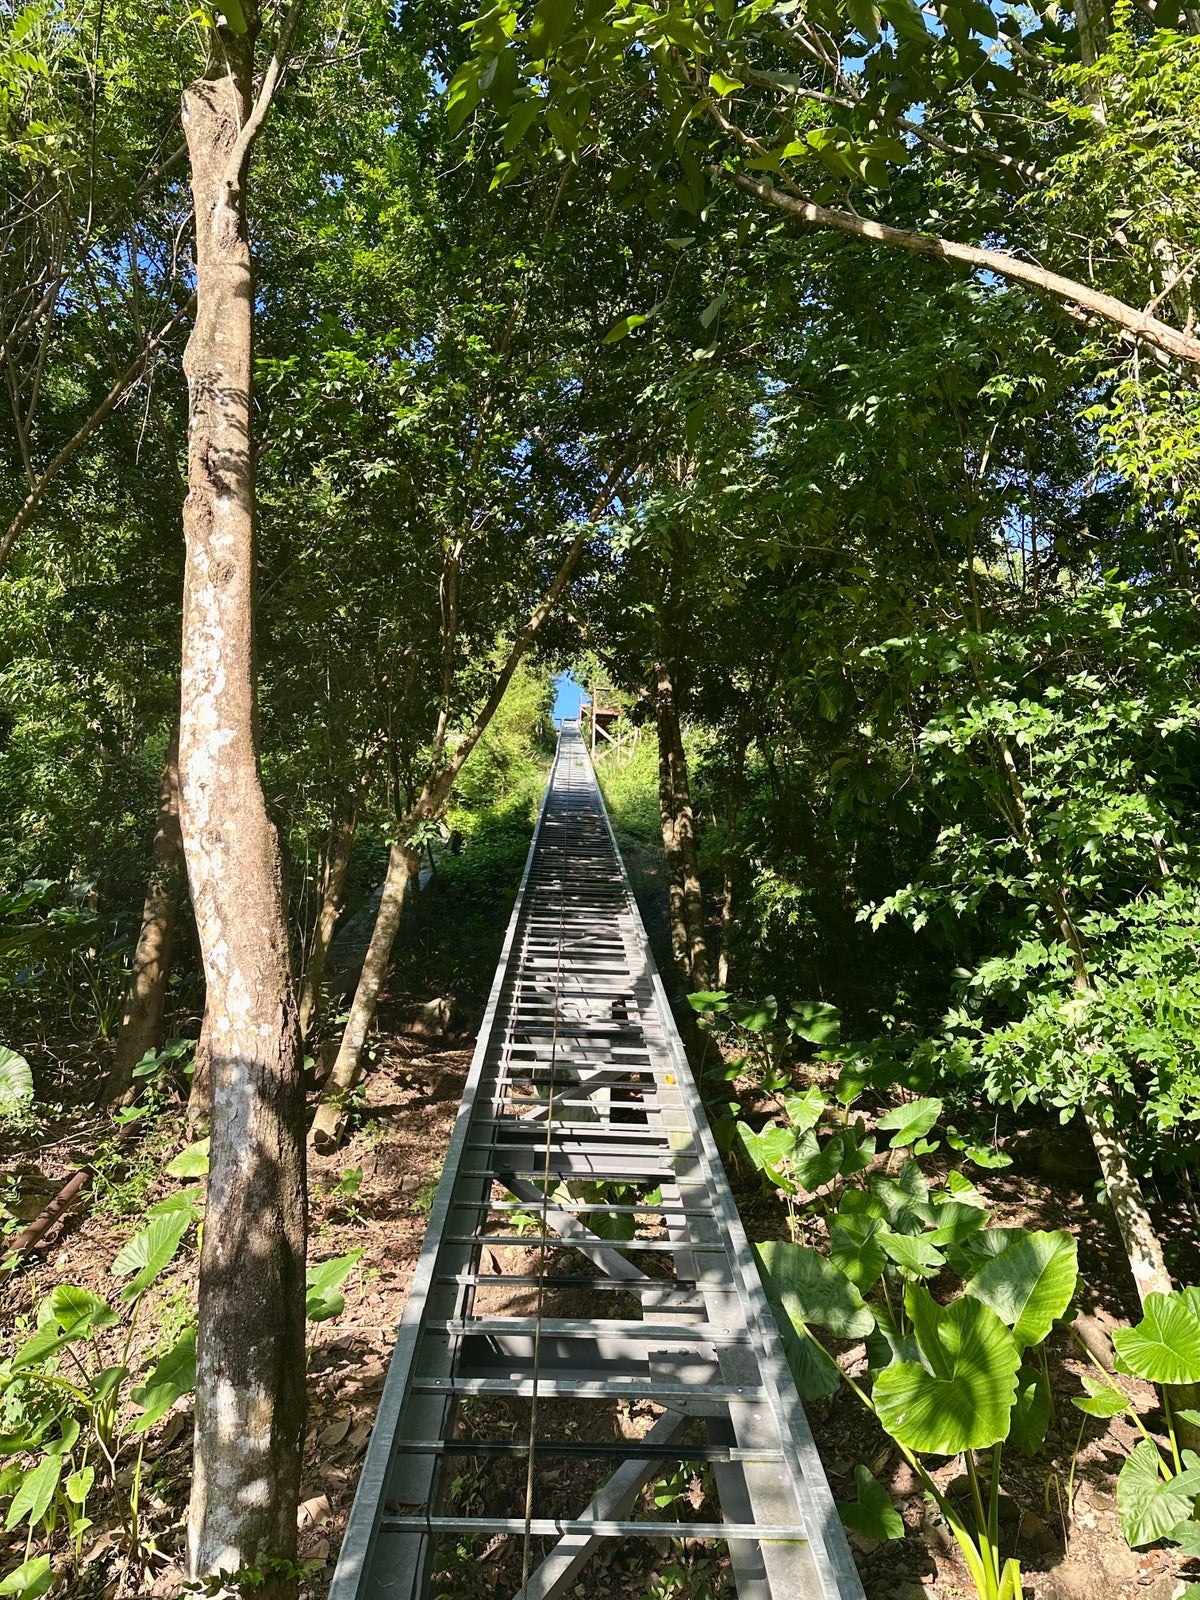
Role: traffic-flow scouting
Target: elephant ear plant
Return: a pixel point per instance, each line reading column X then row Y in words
column 943, row 1379
column 1158, row 1488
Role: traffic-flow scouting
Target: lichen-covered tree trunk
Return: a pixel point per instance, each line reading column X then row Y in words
column 145, row 999
column 327, row 919
column 688, row 940
column 250, row 1345
column 329, row 1124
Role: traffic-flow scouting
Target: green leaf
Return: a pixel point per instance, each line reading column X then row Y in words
column 16, row 1080
column 463, row 94
column 913, row 1254
column 912, row 1121
column 73, row 1310
column 804, row 1110
column 190, row 1163
column 1031, row 1411
column 905, row 1198
column 1101, row 1400
column 816, row 1164
column 855, row 1248
column 723, row 85
column 1164, row 1347
column 872, row 1514
column 174, row 1375
column 78, row 1485
column 963, row 1398
column 864, row 16
column 1029, row 1285
column 953, row 1221
column 148, row 1252
column 29, row 1580
column 812, row 1290
column 623, row 327
column 1187, row 1536
column 36, row 1492
column 1148, row 1506
column 815, row 1021
column 755, row 1015
column 551, row 19
column 323, row 1282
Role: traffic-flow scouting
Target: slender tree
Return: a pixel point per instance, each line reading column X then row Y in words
column 250, row 1342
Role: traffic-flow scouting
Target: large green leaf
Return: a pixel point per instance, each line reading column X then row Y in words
column 1029, row 1284
column 815, row 1164
column 914, row 1255
column 911, row 1121
column 37, row 1490
column 1149, row 1506
column 30, row 1580
column 174, row 1375
column 804, row 1110
column 872, row 1514
column 963, row 1398
column 812, row 1290
column 905, row 1197
column 16, row 1080
column 854, row 1248
column 73, row 1310
column 1164, row 1347
column 148, row 1252
column 323, row 1283
column 1101, row 1400
column 191, row 1162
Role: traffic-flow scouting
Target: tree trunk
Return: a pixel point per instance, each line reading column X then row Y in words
column 200, row 1098
column 679, row 839
column 145, row 999
column 250, row 1344
column 327, row 919
column 329, row 1124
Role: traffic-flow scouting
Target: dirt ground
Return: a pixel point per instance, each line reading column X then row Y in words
column 1058, row 1513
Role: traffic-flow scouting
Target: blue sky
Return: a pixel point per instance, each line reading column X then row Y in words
column 567, row 695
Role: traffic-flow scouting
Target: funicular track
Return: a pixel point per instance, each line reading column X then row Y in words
column 529, row 1309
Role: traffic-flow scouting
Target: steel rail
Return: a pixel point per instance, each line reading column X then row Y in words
column 579, row 1083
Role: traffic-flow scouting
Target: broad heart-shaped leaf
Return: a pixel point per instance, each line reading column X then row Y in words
column 953, row 1221
column 812, row 1290
column 191, row 1162
column 148, row 1252
column 914, row 1255
column 872, row 1514
column 323, row 1282
column 30, row 1580
column 962, row 1399
column 911, row 1121
column 815, row 1164
column 804, row 1110
column 16, row 1080
column 1164, row 1347
column 1101, row 1400
column 1029, row 1284
column 755, row 1015
column 174, row 1375
column 968, row 1256
column 815, row 1372
column 73, row 1310
column 37, row 1491
column 1030, row 1412
column 1149, row 1506
column 904, row 1198
column 854, row 1248
column 814, row 1021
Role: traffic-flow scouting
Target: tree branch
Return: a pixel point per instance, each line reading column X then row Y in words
column 123, row 384
column 1160, row 335
column 262, row 104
